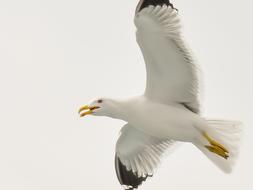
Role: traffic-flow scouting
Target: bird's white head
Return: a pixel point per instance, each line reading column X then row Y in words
column 102, row 107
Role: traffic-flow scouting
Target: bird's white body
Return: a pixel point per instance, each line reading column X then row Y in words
column 162, row 120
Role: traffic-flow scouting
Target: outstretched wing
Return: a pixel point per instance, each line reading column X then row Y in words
column 137, row 156
column 172, row 75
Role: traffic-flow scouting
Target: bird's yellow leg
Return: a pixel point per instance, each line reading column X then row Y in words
column 217, row 150
column 215, row 143
column 216, row 147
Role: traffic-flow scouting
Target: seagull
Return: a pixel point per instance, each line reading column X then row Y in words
column 169, row 110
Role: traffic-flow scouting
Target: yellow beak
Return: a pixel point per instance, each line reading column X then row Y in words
column 89, row 110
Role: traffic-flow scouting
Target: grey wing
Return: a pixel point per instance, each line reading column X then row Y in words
column 172, row 73
column 137, row 156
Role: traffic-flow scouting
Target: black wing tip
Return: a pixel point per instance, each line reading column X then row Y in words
column 128, row 179
column 146, row 3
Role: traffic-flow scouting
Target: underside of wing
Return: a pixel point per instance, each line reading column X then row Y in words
column 137, row 156
column 172, row 75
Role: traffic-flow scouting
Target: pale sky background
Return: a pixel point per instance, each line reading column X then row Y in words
column 56, row 55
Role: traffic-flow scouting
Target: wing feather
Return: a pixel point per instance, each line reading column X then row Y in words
column 172, row 74
column 138, row 155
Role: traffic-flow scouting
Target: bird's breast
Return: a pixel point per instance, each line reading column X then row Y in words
column 163, row 121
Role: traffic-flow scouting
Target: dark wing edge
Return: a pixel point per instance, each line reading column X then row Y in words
column 128, row 179
column 145, row 3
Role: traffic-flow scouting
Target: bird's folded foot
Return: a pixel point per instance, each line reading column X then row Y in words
column 216, row 147
column 217, row 150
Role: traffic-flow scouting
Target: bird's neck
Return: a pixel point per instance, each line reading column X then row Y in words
column 123, row 109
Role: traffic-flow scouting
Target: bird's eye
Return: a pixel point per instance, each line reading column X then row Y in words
column 100, row 101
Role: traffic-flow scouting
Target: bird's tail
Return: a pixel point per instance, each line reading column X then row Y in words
column 222, row 142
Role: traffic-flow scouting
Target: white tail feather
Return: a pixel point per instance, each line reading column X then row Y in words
column 227, row 133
